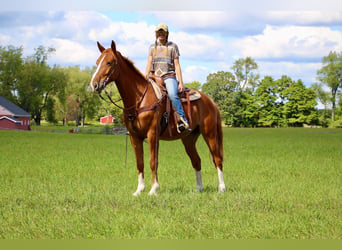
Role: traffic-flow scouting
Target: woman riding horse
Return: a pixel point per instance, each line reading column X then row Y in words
column 163, row 61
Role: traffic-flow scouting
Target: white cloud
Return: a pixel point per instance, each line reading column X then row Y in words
column 194, row 19
column 132, row 39
column 225, row 23
column 228, row 22
column 69, row 52
column 75, row 25
column 304, row 71
column 209, row 41
column 195, row 73
column 199, row 47
column 304, row 17
column 291, row 42
column 176, row 5
column 5, row 39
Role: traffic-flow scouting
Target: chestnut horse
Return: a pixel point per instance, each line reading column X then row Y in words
column 143, row 113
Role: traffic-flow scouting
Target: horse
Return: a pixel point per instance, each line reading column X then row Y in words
column 143, row 111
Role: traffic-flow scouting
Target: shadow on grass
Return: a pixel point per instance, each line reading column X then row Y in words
column 185, row 190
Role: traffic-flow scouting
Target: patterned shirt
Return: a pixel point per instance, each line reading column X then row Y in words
column 162, row 61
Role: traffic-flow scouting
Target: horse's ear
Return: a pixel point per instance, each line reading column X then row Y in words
column 101, row 48
column 113, row 47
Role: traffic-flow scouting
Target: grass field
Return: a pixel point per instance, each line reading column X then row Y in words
column 281, row 184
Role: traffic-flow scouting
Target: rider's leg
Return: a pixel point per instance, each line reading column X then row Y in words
column 171, row 84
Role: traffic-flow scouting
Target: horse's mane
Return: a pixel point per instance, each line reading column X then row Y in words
column 130, row 64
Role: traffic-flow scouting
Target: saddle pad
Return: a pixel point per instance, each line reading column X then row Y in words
column 156, row 89
column 193, row 94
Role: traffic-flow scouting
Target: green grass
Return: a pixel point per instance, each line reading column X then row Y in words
column 281, row 184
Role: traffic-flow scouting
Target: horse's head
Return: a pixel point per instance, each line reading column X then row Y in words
column 107, row 68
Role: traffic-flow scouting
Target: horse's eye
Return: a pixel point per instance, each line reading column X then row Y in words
column 109, row 63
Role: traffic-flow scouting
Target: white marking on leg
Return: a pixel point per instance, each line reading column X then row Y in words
column 154, row 188
column 199, row 184
column 141, row 184
column 221, row 185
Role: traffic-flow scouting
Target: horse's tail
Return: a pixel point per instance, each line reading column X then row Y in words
column 211, row 129
column 219, row 134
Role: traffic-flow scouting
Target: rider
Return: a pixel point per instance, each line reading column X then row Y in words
column 163, row 61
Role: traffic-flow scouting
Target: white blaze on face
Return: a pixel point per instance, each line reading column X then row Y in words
column 97, row 70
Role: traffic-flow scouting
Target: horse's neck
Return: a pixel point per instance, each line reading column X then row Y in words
column 130, row 84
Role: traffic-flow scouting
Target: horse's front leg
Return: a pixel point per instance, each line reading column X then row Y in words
column 153, row 142
column 137, row 145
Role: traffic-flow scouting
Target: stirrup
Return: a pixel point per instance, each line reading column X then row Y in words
column 182, row 126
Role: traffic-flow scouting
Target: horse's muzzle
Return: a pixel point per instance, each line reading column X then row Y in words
column 97, row 87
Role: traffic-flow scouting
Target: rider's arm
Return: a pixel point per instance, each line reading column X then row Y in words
column 179, row 75
column 148, row 66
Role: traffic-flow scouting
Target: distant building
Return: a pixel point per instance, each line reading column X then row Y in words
column 106, row 120
column 12, row 116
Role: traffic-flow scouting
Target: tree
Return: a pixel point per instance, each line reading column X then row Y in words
column 86, row 101
column 11, row 63
column 41, row 54
column 339, row 111
column 221, row 87
column 266, row 97
column 193, row 85
column 324, row 98
column 219, row 84
column 79, row 102
column 243, row 70
column 231, row 110
column 38, row 82
column 300, row 103
column 50, row 111
column 330, row 75
column 250, row 108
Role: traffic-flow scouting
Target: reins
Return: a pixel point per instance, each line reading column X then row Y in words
column 122, row 108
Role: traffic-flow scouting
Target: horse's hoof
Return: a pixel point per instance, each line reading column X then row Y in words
column 139, row 190
column 152, row 193
column 154, row 189
column 222, row 188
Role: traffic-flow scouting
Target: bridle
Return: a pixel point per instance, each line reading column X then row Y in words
column 112, row 76
column 108, row 80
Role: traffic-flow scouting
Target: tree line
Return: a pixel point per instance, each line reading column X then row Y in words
column 61, row 94
column 245, row 100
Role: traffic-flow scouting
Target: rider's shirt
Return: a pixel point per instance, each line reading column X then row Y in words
column 163, row 58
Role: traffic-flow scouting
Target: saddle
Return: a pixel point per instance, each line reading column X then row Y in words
column 159, row 87
column 188, row 95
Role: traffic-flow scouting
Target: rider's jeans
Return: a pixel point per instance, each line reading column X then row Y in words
column 171, row 84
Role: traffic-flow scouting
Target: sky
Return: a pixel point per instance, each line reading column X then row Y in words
column 283, row 37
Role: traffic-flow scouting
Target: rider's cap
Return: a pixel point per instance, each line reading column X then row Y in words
column 162, row 26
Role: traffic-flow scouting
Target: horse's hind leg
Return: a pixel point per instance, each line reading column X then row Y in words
column 213, row 138
column 189, row 143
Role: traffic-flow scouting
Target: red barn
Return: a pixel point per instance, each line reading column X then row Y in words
column 106, row 120
column 12, row 116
